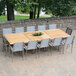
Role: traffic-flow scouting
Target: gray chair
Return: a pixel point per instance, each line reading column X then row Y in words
column 41, row 27
column 5, row 42
column 30, row 28
column 56, row 42
column 44, row 44
column 7, row 30
column 19, row 29
column 69, row 31
column 17, row 47
column 32, row 45
column 68, row 41
column 52, row 26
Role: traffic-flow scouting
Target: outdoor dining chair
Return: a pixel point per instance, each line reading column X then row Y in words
column 32, row 45
column 7, row 30
column 69, row 31
column 56, row 42
column 52, row 26
column 19, row 29
column 44, row 44
column 41, row 27
column 17, row 47
column 68, row 41
column 5, row 42
column 30, row 28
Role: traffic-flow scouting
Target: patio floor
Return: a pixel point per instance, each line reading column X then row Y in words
column 55, row 65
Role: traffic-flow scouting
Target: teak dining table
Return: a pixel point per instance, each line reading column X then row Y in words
column 28, row 36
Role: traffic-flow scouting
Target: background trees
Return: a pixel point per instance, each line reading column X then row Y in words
column 28, row 6
column 10, row 9
column 60, row 7
column 33, row 7
column 2, row 6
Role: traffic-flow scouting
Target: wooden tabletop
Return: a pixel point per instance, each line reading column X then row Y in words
column 28, row 36
column 56, row 33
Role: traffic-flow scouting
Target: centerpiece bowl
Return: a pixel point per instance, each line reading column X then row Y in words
column 37, row 34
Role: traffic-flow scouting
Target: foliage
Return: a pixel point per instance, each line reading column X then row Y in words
column 37, row 34
column 59, row 7
column 21, row 7
column 25, row 6
column 2, row 6
column 56, row 7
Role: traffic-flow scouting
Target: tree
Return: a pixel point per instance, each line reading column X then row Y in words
column 2, row 7
column 39, row 7
column 10, row 9
column 32, row 6
column 27, row 6
column 59, row 7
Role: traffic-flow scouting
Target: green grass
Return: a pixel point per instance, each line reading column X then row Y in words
column 17, row 17
column 3, row 18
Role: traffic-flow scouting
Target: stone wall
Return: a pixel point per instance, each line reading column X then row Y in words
column 62, row 23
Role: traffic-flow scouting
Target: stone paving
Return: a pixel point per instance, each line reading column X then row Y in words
column 53, row 65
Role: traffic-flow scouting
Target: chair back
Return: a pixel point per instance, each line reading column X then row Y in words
column 45, row 43
column 52, row 26
column 30, row 28
column 57, row 41
column 41, row 27
column 69, row 40
column 69, row 31
column 18, row 47
column 19, row 29
column 7, row 30
column 32, row 45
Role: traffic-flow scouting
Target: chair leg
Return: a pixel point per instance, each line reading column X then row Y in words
column 48, row 51
column 12, row 56
column 63, row 49
column 51, row 50
column 2, row 47
column 36, row 53
column 44, row 49
column 71, row 47
column 39, row 52
column 6, row 49
column 26, row 53
column 58, row 48
column 23, row 54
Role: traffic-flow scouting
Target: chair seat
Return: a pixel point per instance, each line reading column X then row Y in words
column 52, row 44
column 26, row 48
column 40, row 46
column 15, row 50
column 17, row 47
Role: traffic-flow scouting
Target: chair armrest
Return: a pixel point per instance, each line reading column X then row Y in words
column 11, row 47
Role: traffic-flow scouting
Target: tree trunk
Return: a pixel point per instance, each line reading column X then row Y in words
column 10, row 11
column 39, row 7
column 31, row 15
column 34, row 11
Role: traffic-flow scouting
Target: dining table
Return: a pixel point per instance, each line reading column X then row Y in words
column 28, row 36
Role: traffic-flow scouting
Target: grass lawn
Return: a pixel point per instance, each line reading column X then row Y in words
column 17, row 17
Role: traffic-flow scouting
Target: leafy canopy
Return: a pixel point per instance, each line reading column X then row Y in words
column 59, row 7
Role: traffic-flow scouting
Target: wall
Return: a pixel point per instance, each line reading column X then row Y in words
column 62, row 23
